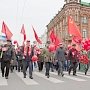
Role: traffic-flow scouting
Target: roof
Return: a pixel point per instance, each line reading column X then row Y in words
column 85, row 4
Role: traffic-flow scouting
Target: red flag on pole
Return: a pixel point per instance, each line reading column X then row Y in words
column 57, row 41
column 23, row 32
column 73, row 29
column 36, row 36
column 53, row 38
column 6, row 31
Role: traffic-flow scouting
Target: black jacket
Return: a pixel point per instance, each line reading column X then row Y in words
column 9, row 54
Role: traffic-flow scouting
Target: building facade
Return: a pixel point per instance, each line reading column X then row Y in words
column 79, row 11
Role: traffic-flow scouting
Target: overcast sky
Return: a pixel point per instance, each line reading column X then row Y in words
column 28, row 12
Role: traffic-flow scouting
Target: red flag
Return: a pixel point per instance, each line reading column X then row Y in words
column 84, row 59
column 77, row 45
column 23, row 32
column 36, row 36
column 76, row 39
column 6, row 31
column 73, row 29
column 52, row 36
column 57, row 41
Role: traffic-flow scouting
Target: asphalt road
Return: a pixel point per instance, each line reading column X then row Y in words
column 41, row 82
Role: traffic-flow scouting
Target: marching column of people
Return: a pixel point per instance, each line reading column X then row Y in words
column 61, row 59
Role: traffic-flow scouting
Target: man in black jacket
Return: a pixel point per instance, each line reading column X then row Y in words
column 7, row 57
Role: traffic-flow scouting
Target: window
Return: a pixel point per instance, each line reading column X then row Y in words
column 84, row 33
column 84, row 20
column 75, row 17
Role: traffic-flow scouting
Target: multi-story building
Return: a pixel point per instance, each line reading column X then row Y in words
column 80, row 12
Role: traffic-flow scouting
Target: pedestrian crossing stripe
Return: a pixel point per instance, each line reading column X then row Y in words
column 27, row 80
column 51, row 79
column 3, row 81
column 80, row 74
column 84, row 73
column 69, row 77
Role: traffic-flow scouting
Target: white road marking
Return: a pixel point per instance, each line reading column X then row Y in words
column 27, row 80
column 51, row 79
column 3, row 81
column 69, row 77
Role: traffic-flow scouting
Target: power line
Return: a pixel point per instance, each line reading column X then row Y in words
column 23, row 8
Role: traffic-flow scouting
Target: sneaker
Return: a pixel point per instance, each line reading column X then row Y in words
column 74, row 75
column 62, row 75
column 18, row 70
column 2, row 75
column 6, row 77
column 68, row 73
column 48, row 76
column 24, row 76
column 31, row 77
column 85, row 73
column 52, row 70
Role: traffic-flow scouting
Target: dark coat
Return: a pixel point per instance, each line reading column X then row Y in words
column 60, row 54
column 73, row 55
column 9, row 54
column 19, row 55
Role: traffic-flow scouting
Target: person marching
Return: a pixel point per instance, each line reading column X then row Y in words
column 40, row 61
column 7, row 58
column 19, row 55
column 60, row 57
column 27, row 61
column 48, row 57
column 73, row 57
column 87, row 61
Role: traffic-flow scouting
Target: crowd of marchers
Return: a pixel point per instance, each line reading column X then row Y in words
column 29, row 56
